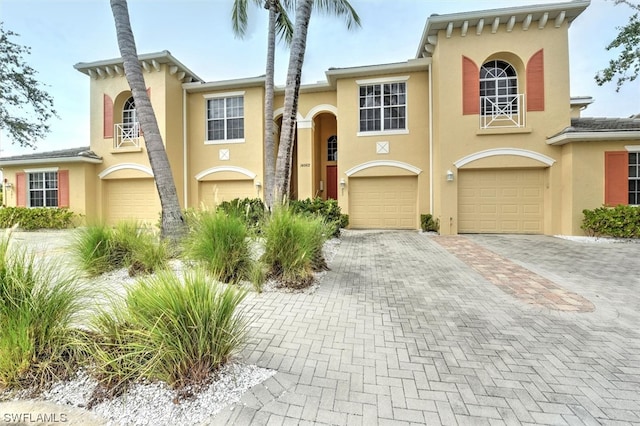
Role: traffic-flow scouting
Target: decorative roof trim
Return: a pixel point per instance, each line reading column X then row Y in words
column 125, row 166
column 26, row 161
column 540, row 15
column 149, row 62
column 219, row 169
column 504, row 151
column 383, row 163
column 565, row 138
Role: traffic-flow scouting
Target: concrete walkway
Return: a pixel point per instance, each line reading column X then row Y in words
column 409, row 328
column 402, row 331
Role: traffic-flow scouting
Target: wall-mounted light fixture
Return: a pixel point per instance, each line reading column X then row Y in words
column 449, row 176
column 343, row 183
column 8, row 185
column 258, row 186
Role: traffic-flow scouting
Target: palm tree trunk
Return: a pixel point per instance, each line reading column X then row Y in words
column 294, row 74
column 173, row 225
column 269, row 142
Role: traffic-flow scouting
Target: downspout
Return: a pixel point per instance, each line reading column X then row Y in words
column 430, row 142
column 185, row 179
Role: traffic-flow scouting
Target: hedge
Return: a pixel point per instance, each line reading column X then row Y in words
column 620, row 221
column 36, row 218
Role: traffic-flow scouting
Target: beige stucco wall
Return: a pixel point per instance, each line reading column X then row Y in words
column 81, row 178
column 204, row 155
column 411, row 148
column 584, row 180
column 166, row 99
column 457, row 136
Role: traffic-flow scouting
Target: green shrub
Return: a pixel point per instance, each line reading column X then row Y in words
column 293, row 246
column 219, row 242
column 428, row 223
column 168, row 330
column 620, row 221
column 36, row 218
column 328, row 210
column 250, row 210
column 38, row 302
column 100, row 248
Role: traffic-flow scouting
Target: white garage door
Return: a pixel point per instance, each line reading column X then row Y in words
column 383, row 202
column 507, row 201
column 212, row 193
column 127, row 199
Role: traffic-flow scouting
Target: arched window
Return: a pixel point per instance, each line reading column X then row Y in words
column 498, row 89
column 332, row 148
column 131, row 128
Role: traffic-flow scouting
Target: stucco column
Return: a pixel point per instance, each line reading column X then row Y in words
column 305, row 159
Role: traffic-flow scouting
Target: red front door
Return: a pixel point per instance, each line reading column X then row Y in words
column 332, row 182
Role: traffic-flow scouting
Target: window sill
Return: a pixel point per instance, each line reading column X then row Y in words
column 126, row 150
column 223, row 142
column 503, row 131
column 384, row 133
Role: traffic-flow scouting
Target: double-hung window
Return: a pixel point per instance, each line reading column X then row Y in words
column 383, row 107
column 634, row 178
column 225, row 119
column 42, row 189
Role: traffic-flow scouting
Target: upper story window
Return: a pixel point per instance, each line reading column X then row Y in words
column 42, row 189
column 332, row 148
column 383, row 107
column 130, row 123
column 225, row 118
column 634, row 178
column 500, row 102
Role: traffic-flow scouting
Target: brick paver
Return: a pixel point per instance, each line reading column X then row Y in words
column 403, row 332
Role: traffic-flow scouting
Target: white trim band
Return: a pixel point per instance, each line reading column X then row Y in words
column 383, row 163
column 125, row 166
column 504, row 151
column 218, row 169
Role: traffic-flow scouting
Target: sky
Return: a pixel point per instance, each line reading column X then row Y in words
column 198, row 33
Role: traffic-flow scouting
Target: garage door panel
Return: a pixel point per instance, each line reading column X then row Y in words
column 501, row 201
column 383, row 202
column 131, row 199
column 212, row 193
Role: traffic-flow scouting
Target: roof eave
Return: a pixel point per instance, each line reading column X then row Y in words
column 436, row 23
column 59, row 160
column 239, row 83
column 566, row 138
column 412, row 65
column 163, row 57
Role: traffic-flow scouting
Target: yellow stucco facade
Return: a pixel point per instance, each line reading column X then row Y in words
column 479, row 130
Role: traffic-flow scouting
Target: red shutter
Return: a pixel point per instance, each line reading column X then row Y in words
column 63, row 188
column 535, row 82
column 616, row 178
column 470, row 87
column 21, row 189
column 107, row 117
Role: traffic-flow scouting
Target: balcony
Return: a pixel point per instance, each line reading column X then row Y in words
column 502, row 111
column 127, row 135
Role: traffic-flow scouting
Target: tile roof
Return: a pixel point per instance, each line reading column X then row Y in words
column 84, row 151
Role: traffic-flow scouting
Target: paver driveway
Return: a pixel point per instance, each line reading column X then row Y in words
column 410, row 328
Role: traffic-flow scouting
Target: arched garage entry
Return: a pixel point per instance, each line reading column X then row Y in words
column 129, row 193
column 502, row 191
column 383, row 195
column 224, row 183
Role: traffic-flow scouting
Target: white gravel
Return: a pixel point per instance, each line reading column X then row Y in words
column 156, row 404
column 598, row 240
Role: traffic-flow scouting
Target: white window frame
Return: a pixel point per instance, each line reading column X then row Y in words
column 635, row 178
column 381, row 82
column 43, row 190
column 225, row 96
